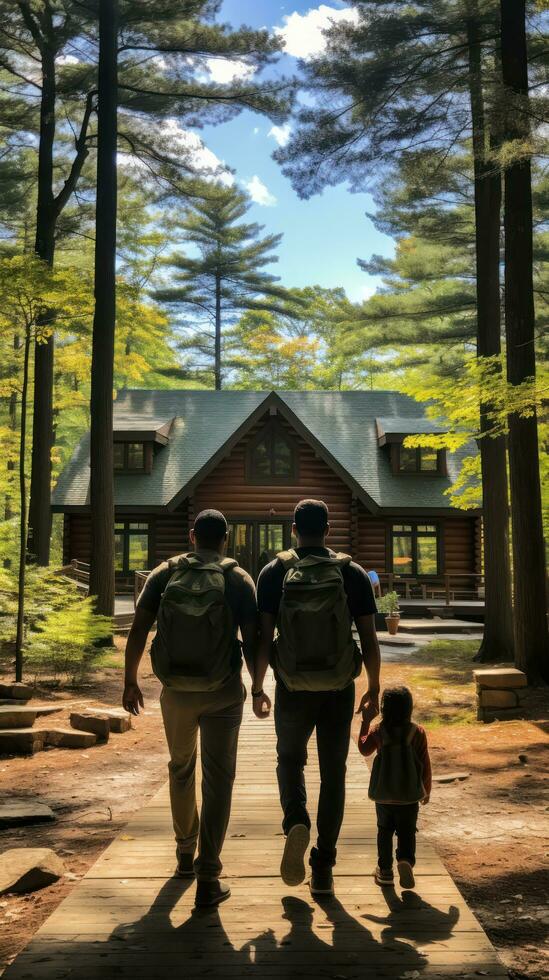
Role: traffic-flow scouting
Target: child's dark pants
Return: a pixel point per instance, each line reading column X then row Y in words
column 399, row 819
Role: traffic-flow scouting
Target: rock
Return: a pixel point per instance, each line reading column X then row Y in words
column 21, row 741
column 523, row 759
column 119, row 720
column 18, row 717
column 500, row 714
column 491, row 698
column 17, row 812
column 18, row 691
column 47, row 709
column 451, row 777
column 69, row 738
column 92, row 721
column 25, row 869
column 500, row 677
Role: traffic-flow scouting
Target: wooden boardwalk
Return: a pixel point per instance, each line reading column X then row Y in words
column 129, row 918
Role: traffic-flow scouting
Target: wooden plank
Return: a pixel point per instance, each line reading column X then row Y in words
column 129, row 918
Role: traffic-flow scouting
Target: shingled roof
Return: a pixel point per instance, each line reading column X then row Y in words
column 207, row 424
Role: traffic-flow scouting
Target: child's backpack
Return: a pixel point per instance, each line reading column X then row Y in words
column 397, row 773
column 315, row 649
column 195, row 644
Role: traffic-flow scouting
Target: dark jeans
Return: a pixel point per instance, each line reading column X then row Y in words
column 297, row 714
column 399, row 819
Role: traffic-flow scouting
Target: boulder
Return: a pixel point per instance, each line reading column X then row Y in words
column 17, row 691
column 17, row 717
column 492, row 698
column 91, row 721
column 500, row 677
column 451, row 777
column 25, row 869
column 21, row 741
column 47, row 709
column 69, row 738
column 119, row 720
column 17, row 812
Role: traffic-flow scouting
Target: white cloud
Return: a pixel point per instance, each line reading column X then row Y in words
column 185, row 145
column 280, row 133
column 224, row 70
column 259, row 193
column 302, row 33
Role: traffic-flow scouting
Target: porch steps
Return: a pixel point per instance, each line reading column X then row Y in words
column 426, row 626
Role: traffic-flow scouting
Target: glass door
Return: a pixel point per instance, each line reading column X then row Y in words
column 271, row 539
column 255, row 543
column 239, row 545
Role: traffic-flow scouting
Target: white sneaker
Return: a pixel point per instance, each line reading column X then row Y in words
column 292, row 866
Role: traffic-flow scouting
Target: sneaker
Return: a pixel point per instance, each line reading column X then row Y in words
column 185, row 866
column 406, row 874
column 322, row 881
column 292, row 867
column 210, row 893
column 383, row 877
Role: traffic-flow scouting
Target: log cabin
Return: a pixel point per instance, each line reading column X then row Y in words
column 253, row 455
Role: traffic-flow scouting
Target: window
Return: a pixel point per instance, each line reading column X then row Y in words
column 129, row 457
column 419, row 460
column 272, row 457
column 131, row 546
column 415, row 549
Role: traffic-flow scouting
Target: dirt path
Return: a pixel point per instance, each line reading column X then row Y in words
column 490, row 829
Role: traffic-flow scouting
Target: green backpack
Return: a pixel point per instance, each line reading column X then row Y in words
column 195, row 647
column 314, row 648
column 397, row 773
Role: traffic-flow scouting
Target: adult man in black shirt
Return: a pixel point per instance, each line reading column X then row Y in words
column 299, row 712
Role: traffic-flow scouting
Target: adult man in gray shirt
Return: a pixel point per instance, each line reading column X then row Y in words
column 216, row 714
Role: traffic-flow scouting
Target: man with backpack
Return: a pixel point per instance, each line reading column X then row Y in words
column 200, row 600
column 311, row 596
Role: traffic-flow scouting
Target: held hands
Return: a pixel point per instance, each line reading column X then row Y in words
column 261, row 704
column 369, row 705
column 132, row 698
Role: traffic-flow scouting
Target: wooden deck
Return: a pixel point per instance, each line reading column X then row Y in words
column 129, row 918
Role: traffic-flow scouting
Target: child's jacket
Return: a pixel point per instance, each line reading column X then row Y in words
column 401, row 771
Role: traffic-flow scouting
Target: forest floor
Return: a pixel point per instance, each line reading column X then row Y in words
column 490, row 829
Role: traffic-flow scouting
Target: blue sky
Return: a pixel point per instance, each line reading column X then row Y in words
column 323, row 236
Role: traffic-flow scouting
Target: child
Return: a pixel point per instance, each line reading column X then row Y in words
column 400, row 780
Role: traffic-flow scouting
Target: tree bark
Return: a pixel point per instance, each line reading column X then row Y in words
column 42, row 431
column 102, row 371
column 531, row 634
column 497, row 643
column 217, row 342
column 20, row 629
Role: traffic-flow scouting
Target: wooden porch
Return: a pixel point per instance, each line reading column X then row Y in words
column 129, row 918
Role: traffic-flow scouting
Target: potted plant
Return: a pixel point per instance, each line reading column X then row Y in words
column 388, row 604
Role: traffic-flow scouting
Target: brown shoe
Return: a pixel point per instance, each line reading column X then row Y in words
column 210, row 893
column 406, row 874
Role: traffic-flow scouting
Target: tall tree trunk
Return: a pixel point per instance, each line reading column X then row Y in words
column 102, row 371
column 20, row 629
column 497, row 643
column 217, row 342
column 531, row 634
column 42, row 431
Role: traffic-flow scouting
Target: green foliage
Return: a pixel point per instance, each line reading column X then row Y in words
column 61, row 630
column 388, row 604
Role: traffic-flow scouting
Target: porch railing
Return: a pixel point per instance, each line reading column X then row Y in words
column 77, row 570
column 465, row 587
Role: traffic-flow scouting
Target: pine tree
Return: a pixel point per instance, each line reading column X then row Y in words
column 225, row 279
column 531, row 633
column 401, row 77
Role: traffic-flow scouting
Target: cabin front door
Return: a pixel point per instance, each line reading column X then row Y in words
column 255, row 543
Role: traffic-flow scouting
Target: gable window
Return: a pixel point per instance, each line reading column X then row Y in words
column 415, row 549
column 272, row 457
column 131, row 546
column 129, row 457
column 421, row 460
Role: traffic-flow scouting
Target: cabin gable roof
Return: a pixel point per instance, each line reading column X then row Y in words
column 341, row 427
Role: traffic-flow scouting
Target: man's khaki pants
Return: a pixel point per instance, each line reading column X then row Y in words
column 217, row 715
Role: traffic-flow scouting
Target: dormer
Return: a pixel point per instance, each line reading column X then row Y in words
column 135, row 443
column 405, row 461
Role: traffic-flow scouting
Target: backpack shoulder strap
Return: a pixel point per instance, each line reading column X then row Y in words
column 411, row 733
column 288, row 559
column 226, row 564
column 341, row 558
